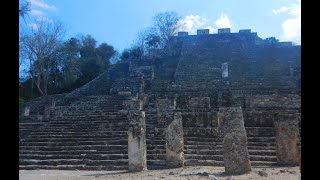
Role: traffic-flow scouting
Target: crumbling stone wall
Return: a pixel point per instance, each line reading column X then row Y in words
column 39, row 108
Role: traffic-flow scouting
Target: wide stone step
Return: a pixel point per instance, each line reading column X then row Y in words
column 261, row 139
column 73, row 143
column 263, row 163
column 71, row 148
column 262, row 152
column 87, row 162
column 261, row 148
column 156, row 141
column 204, row 157
column 73, row 167
column 196, row 162
column 202, row 143
column 267, row 144
column 97, row 132
column 75, row 130
column 155, row 151
column 156, row 162
column 80, row 135
column 100, row 130
column 260, row 131
column 63, row 139
column 74, row 152
column 155, row 147
column 31, row 124
column 88, row 122
column 156, row 156
column 74, row 156
column 263, row 158
column 204, row 152
column 85, row 119
column 202, row 139
column 203, row 147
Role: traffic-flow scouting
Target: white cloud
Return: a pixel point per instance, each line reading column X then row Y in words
column 223, row 21
column 291, row 27
column 35, row 12
column 192, row 22
column 280, row 10
column 42, row 4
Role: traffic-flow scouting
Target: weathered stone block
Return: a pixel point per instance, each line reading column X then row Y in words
column 137, row 148
column 287, row 138
column 174, row 142
column 235, row 150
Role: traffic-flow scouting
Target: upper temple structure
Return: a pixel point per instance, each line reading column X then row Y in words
column 182, row 106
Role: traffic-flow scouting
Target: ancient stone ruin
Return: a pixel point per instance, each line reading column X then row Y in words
column 226, row 99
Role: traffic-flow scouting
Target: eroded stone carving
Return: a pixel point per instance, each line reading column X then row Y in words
column 137, row 149
column 287, row 138
column 235, row 151
column 174, row 142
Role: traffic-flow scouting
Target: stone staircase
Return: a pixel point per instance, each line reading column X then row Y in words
column 155, row 137
column 88, row 134
column 204, row 148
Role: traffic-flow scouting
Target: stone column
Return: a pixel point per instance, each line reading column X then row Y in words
column 287, row 138
column 137, row 148
column 235, row 150
column 174, row 142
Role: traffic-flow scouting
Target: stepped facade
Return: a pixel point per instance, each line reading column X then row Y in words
column 195, row 76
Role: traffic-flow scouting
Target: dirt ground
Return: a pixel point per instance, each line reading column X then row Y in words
column 189, row 173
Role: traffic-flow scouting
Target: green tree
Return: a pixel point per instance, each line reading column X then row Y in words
column 133, row 53
column 105, row 52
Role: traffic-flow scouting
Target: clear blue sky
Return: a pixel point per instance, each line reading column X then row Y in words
column 117, row 22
